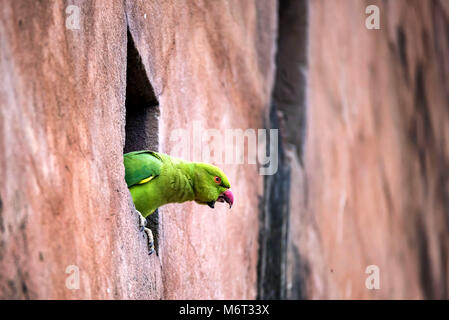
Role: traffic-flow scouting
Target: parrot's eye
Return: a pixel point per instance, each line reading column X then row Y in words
column 217, row 180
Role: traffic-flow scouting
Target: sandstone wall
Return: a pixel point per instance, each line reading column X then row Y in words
column 62, row 122
column 377, row 150
column 363, row 148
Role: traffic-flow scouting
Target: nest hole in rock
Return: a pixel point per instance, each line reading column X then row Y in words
column 142, row 116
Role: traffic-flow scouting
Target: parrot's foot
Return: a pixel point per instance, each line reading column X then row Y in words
column 150, row 240
column 142, row 222
column 142, row 225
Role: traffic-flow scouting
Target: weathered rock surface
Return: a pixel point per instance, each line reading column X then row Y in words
column 377, row 150
column 63, row 197
column 364, row 132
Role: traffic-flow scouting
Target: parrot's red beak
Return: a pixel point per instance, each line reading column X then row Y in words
column 228, row 197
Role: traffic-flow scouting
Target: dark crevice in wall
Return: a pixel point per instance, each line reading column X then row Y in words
column 290, row 85
column 426, row 146
column 274, row 226
column 402, row 48
column 288, row 114
column 142, row 115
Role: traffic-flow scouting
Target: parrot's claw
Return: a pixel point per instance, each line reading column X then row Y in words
column 142, row 227
column 142, row 222
column 150, row 240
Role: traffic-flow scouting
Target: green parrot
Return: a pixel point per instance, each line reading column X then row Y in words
column 155, row 179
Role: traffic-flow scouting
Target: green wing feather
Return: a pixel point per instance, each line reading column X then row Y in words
column 141, row 165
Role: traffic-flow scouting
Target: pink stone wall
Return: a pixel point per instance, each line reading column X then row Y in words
column 363, row 132
column 64, row 199
column 377, row 149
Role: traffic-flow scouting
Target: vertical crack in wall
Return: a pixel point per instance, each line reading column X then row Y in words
column 274, row 225
column 142, row 115
column 288, row 114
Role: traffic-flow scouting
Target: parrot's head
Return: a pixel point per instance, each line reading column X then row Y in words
column 211, row 185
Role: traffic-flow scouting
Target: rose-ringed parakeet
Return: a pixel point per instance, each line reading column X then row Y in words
column 155, row 179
